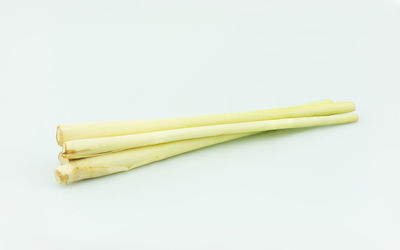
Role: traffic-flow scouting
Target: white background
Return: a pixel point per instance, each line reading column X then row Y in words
column 325, row 188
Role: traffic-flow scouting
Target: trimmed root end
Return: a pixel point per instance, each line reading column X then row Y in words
column 61, row 179
column 59, row 136
column 61, row 175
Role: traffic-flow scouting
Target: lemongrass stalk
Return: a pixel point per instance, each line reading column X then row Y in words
column 63, row 160
column 91, row 147
column 106, row 164
column 76, row 131
column 111, row 163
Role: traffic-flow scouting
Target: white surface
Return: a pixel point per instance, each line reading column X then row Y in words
column 325, row 188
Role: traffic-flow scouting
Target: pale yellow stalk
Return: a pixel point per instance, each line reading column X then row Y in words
column 111, row 163
column 63, row 160
column 76, row 131
column 91, row 147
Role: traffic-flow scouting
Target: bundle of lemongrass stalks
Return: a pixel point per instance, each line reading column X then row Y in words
column 96, row 149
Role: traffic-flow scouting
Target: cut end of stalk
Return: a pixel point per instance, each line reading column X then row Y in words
column 59, row 137
column 64, row 148
column 61, row 178
column 63, row 174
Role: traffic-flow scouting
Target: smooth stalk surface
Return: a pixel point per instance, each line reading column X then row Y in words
column 77, row 131
column 91, row 147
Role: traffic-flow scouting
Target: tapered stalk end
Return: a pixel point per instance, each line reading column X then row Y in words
column 355, row 117
column 353, row 106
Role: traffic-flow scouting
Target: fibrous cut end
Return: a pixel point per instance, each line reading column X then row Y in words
column 64, row 174
column 60, row 177
column 59, row 136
